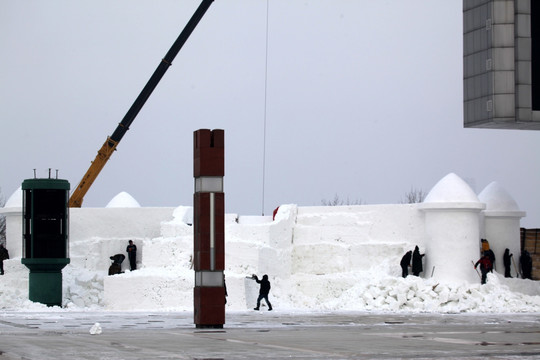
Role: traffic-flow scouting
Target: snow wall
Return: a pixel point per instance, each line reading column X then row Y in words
column 325, row 258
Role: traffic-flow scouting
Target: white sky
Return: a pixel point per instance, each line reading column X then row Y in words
column 364, row 100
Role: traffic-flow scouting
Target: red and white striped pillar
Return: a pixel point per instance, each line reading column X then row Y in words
column 209, row 228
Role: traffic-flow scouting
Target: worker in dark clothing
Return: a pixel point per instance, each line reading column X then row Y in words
column 4, row 255
column 485, row 266
column 405, row 263
column 487, row 251
column 263, row 291
column 116, row 266
column 526, row 264
column 507, row 259
column 417, row 262
column 132, row 255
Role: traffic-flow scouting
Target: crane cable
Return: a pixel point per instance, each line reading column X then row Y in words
column 265, row 109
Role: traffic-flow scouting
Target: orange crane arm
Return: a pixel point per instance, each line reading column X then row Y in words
column 111, row 143
column 93, row 171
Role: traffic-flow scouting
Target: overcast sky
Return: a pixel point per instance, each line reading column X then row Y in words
column 363, row 100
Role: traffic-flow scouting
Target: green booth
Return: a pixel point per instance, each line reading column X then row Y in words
column 45, row 237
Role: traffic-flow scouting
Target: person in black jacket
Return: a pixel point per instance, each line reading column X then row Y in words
column 507, row 259
column 526, row 264
column 263, row 291
column 116, row 266
column 417, row 262
column 405, row 263
column 4, row 255
column 132, row 255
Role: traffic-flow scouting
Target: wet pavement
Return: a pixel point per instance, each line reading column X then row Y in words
column 268, row 335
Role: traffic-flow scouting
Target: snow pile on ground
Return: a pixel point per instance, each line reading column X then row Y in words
column 348, row 292
column 414, row 294
column 83, row 290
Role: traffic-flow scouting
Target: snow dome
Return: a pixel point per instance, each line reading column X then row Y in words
column 451, row 188
column 123, row 200
column 497, row 198
column 15, row 200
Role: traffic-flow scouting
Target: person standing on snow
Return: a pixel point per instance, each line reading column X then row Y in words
column 405, row 263
column 4, row 255
column 263, row 291
column 132, row 255
column 507, row 259
column 417, row 262
column 485, row 266
column 487, row 251
column 526, row 264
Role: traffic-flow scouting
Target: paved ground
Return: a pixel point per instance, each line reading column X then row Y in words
column 268, row 335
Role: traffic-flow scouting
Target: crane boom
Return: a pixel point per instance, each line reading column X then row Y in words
column 112, row 141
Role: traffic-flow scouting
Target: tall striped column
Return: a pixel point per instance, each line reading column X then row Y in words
column 209, row 228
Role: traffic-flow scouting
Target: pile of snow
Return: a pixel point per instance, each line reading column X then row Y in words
column 344, row 292
column 96, row 329
column 414, row 294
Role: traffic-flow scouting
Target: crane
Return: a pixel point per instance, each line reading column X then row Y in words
column 107, row 149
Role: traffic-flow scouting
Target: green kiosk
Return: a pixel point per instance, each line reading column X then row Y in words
column 45, row 237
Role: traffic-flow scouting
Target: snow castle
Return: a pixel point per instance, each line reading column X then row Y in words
column 313, row 255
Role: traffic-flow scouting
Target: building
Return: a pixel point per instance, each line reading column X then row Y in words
column 501, row 64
